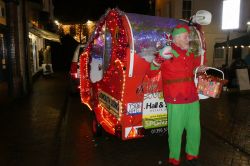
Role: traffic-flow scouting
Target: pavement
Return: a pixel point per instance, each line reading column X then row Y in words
column 32, row 126
column 227, row 119
column 4, row 99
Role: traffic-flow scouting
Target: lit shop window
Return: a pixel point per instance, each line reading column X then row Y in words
column 219, row 53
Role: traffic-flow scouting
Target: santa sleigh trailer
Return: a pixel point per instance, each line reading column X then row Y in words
column 114, row 82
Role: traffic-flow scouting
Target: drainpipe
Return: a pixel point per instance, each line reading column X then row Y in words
column 13, row 55
column 27, row 72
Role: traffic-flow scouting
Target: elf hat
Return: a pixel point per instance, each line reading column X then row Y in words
column 180, row 28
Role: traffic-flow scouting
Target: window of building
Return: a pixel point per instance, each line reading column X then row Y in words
column 186, row 9
column 2, row 12
column 219, row 53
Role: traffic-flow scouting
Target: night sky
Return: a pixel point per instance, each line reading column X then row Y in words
column 75, row 11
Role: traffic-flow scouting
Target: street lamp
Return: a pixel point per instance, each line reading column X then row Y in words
column 57, row 22
column 230, row 19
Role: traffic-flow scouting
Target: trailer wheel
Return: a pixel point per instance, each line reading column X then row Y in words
column 96, row 127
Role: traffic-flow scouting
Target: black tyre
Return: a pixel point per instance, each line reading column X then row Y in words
column 96, row 127
column 73, row 88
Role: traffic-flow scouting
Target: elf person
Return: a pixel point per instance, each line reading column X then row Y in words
column 177, row 64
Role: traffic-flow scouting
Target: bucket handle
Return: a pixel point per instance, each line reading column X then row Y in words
column 196, row 70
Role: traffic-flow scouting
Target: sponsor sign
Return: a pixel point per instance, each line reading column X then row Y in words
column 134, row 108
column 110, row 103
column 154, row 111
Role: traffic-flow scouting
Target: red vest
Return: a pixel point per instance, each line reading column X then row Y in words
column 178, row 77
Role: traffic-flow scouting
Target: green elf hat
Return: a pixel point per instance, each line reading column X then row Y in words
column 181, row 28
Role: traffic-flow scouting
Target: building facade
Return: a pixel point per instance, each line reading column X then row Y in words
column 213, row 32
column 3, row 51
column 19, row 60
column 41, row 32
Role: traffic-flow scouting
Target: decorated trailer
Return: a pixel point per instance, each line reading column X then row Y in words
column 115, row 82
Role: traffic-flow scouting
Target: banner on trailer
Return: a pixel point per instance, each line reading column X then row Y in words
column 154, row 110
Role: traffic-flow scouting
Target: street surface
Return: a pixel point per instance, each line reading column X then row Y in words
column 51, row 127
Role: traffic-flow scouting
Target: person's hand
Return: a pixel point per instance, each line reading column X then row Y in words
column 166, row 52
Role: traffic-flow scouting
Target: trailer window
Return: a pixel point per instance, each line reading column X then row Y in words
column 96, row 65
column 100, row 54
column 195, row 43
column 146, row 41
column 107, row 50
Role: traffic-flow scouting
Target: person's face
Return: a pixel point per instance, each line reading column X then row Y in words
column 182, row 40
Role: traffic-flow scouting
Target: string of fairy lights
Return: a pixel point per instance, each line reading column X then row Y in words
column 112, row 21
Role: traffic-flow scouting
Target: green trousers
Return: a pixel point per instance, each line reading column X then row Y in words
column 180, row 117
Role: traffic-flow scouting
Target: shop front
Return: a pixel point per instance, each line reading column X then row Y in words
column 39, row 40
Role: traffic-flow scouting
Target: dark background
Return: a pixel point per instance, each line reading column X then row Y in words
column 74, row 11
column 80, row 11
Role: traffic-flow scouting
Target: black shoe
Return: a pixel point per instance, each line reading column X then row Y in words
column 194, row 162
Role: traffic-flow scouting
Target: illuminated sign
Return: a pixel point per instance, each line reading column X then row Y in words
column 230, row 14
